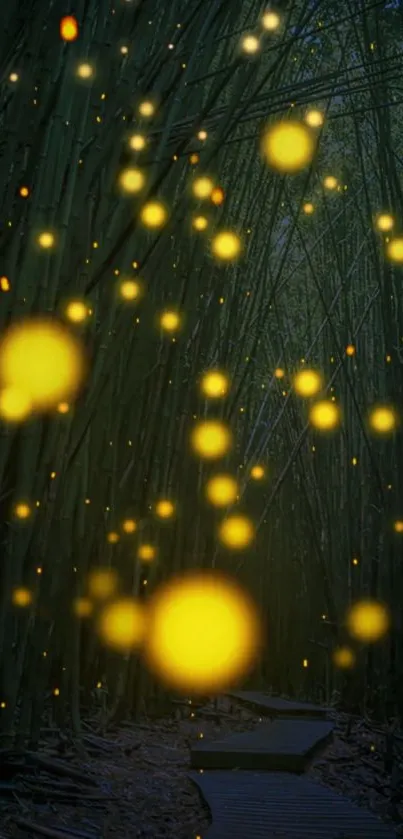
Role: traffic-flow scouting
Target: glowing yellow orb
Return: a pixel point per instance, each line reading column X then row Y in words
column 236, row 532
column 129, row 526
column 122, row 624
column 46, row 240
column 368, row 620
column 146, row 553
column 324, row 415
column 112, row 537
column 270, row 21
column 22, row 510
column 250, row 44
column 131, row 180
column 398, row 526
column 257, row 472
column 222, row 490
column 68, row 28
column 76, row 311
column 314, row 118
column 14, row 404
column 279, row 373
column 85, row 71
column 21, row 597
column 350, row 350
column 211, row 439
column 129, row 289
column 170, row 321
column 102, row 583
column 137, row 142
column 308, row 208
column 385, row 222
column 82, row 607
column 154, row 214
column 200, row 223
column 43, row 360
column 217, row 196
column 164, row 509
column 383, row 419
column 146, row 109
column 202, row 187
column 288, row 146
column 214, row 384
column 394, row 250
column 330, row 182
column 344, row 658
column 202, row 135
column 226, row 245
column 203, row 633
column 307, row 382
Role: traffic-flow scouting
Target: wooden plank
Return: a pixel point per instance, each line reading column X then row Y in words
column 274, row 706
column 281, row 745
column 277, row 805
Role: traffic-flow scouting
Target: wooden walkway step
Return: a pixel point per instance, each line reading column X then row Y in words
column 274, row 706
column 284, row 745
column 271, row 805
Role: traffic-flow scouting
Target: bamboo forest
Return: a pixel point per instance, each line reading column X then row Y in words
column 201, row 401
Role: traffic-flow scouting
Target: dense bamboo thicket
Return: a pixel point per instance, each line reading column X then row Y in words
column 312, row 288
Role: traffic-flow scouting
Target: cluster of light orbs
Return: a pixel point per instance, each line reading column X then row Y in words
column 41, row 364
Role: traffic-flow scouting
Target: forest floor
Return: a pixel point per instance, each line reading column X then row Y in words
column 140, row 786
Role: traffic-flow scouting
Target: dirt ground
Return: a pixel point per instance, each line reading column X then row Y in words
column 140, row 786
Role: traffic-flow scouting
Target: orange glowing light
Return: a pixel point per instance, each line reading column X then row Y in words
column 217, row 196
column 68, row 28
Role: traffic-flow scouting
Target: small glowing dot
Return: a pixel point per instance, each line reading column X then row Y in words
column 257, row 472
column 170, row 321
column 202, row 135
column 200, row 223
column 153, row 214
column 24, row 192
column 350, row 350
column 131, row 181
column 13, row 77
column 308, row 208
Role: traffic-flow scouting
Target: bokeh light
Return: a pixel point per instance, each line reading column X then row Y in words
column 288, row 146
column 211, row 439
column 15, row 405
column 122, row 624
column 214, row 384
column 203, row 633
column 368, row 620
column 21, row 597
column 154, row 214
column 164, row 509
column 102, row 583
column 226, row 245
column 131, row 180
column 324, row 415
column 307, row 382
column 257, row 472
column 236, row 532
column 394, row 250
column 382, row 419
column 42, row 360
column 222, row 490
column 202, row 187
column 344, row 658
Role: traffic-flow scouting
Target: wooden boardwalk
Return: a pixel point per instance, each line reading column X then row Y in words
column 283, row 745
column 280, row 803
column 274, row 706
column 275, row 805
